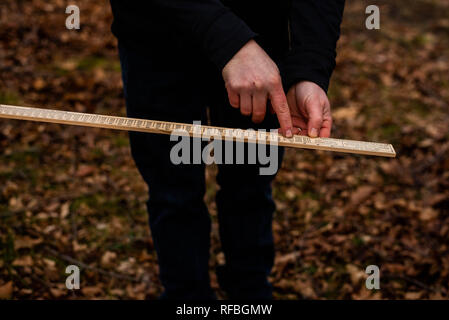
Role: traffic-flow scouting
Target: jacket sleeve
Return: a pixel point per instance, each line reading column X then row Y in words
column 314, row 31
column 209, row 24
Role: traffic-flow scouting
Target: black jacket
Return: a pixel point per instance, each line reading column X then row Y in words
column 218, row 29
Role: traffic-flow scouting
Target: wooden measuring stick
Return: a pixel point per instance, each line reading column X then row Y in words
column 164, row 127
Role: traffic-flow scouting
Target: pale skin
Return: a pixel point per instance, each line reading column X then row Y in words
column 252, row 80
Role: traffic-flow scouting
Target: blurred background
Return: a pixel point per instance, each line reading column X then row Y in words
column 72, row 195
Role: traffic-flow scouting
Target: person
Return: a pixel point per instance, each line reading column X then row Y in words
column 226, row 62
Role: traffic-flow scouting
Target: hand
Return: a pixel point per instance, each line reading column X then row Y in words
column 310, row 109
column 251, row 78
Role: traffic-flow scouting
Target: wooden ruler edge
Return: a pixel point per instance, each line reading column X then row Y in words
column 282, row 141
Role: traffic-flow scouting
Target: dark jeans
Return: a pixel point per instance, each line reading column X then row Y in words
column 159, row 87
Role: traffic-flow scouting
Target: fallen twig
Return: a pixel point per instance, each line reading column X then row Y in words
column 99, row 270
column 438, row 157
column 412, row 281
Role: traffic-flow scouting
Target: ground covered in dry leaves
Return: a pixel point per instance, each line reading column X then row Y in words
column 73, row 195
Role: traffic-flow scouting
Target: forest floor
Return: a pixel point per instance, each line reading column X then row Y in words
column 73, row 195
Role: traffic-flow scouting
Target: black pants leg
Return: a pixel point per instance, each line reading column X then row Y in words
column 179, row 90
column 245, row 211
column 179, row 220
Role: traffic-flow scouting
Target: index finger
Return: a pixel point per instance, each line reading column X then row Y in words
column 280, row 106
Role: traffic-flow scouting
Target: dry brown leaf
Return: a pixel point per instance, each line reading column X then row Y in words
column 52, row 207
column 26, row 242
column 355, row 273
column 346, row 113
column 361, row 194
column 85, row 170
column 91, row 291
column 107, row 258
column 290, row 257
column 39, row 84
column 428, row 214
column 51, row 264
column 127, row 265
column 65, row 210
column 6, row 290
column 306, row 289
column 78, row 247
column 413, row 295
column 57, row 293
column 24, row 261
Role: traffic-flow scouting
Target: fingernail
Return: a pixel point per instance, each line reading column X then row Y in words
column 313, row 133
column 289, row 133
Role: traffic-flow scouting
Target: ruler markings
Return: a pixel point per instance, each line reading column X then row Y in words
column 162, row 127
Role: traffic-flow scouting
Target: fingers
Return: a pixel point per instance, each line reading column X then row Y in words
column 291, row 100
column 234, row 98
column 280, row 106
column 299, row 125
column 259, row 100
column 246, row 104
column 299, row 122
column 325, row 131
column 254, row 102
column 326, row 127
column 315, row 113
column 250, row 72
column 295, row 131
